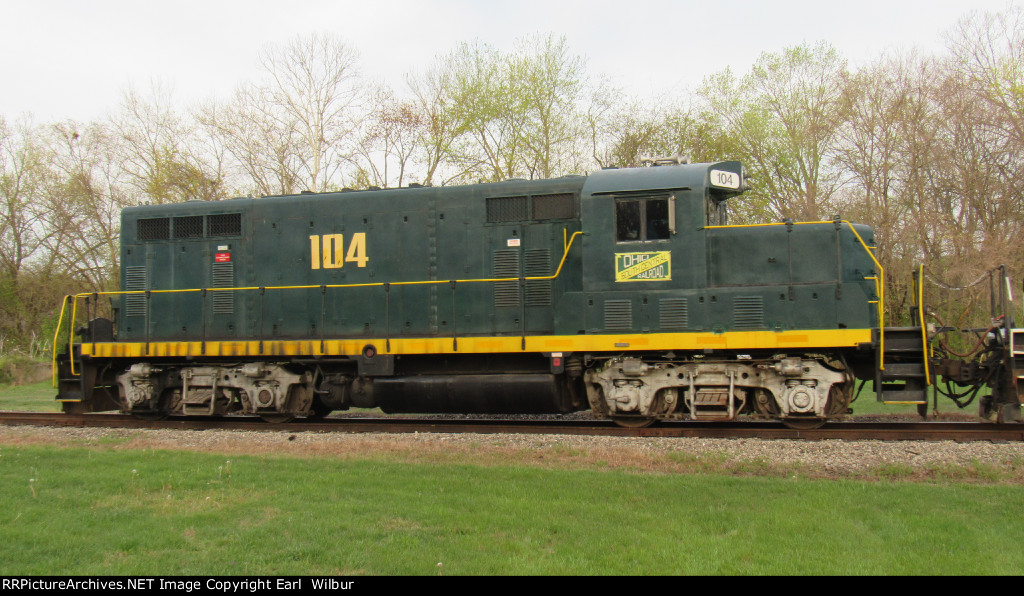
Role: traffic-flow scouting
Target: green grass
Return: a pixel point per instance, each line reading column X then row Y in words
column 37, row 397
column 867, row 404
column 105, row 511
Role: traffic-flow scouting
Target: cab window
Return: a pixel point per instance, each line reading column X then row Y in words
column 641, row 220
column 717, row 215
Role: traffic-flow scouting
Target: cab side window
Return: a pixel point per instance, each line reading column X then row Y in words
column 657, row 219
column 641, row 220
column 627, row 221
column 717, row 215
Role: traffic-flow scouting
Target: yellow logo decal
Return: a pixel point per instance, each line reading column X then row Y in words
column 643, row 266
column 333, row 253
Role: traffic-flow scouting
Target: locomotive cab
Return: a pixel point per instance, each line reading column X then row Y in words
column 711, row 320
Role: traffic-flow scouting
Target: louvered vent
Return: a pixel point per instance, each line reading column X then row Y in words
column 153, row 229
column 674, row 313
column 502, row 209
column 538, row 264
column 748, row 312
column 135, row 278
column 223, row 276
column 506, row 264
column 188, row 227
column 618, row 315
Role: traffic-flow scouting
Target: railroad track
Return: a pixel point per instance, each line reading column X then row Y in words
column 885, row 431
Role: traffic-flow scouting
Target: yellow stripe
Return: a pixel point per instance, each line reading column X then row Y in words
column 745, row 340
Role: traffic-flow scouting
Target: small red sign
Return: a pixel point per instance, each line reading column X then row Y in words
column 222, row 257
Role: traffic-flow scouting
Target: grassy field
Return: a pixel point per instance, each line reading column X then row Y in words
column 103, row 511
column 37, row 397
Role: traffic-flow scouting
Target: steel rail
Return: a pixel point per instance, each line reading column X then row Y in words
column 879, row 431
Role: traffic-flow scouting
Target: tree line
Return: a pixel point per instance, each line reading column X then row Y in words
column 927, row 149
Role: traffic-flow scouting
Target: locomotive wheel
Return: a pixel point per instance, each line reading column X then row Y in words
column 634, row 422
column 804, row 423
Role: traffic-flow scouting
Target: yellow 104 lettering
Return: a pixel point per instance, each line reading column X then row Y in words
column 328, row 251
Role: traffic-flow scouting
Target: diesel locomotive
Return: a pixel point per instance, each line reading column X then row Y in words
column 625, row 292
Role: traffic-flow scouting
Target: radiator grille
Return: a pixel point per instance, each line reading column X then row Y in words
column 502, row 209
column 153, row 229
column 188, row 227
column 555, row 206
column 225, row 224
column 537, row 207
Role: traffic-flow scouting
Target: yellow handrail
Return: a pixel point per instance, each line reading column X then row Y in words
column 920, row 315
column 56, row 334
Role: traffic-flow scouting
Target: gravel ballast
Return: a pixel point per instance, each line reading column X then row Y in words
column 820, row 458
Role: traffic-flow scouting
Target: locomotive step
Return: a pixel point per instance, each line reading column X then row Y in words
column 887, row 387
column 912, row 391
column 903, row 370
column 903, row 345
column 901, row 340
column 905, row 397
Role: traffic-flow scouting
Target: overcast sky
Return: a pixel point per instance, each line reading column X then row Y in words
column 74, row 58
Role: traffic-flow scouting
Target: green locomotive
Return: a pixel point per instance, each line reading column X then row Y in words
column 625, row 292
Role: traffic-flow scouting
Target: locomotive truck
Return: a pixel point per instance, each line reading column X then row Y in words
column 625, row 292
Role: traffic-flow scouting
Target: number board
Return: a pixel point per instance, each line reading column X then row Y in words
column 724, row 179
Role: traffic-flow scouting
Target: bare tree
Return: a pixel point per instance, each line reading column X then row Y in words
column 297, row 129
column 988, row 52
column 23, row 180
column 439, row 123
column 262, row 152
column 313, row 88
column 159, row 151
column 84, row 204
column 395, row 131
